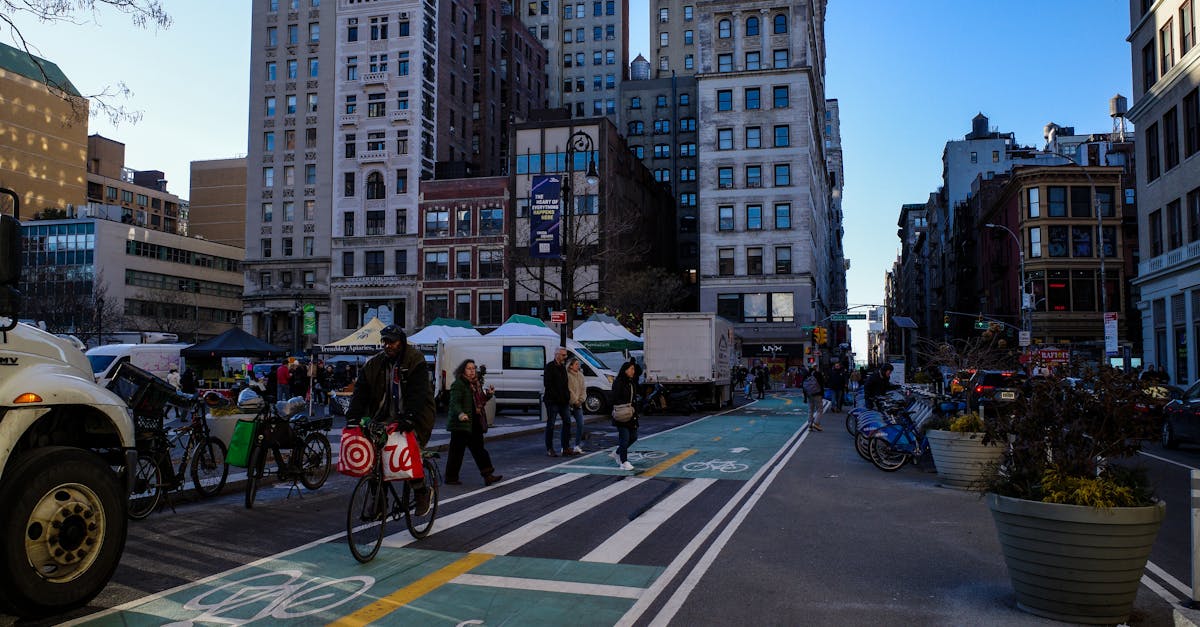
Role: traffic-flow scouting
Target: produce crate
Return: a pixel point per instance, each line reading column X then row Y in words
column 146, row 394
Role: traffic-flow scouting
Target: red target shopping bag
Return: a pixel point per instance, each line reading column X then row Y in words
column 357, row 455
column 402, row 457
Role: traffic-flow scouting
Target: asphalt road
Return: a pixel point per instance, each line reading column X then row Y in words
column 762, row 522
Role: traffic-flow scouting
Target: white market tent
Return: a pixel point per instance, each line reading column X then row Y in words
column 365, row 340
column 606, row 337
column 440, row 329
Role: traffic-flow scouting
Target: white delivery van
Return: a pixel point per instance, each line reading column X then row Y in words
column 514, row 365
column 158, row 359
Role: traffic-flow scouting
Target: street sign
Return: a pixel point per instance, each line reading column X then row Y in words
column 982, row 324
column 558, row 317
column 310, row 319
column 1110, row 333
column 1025, row 338
column 848, row 316
column 807, row 328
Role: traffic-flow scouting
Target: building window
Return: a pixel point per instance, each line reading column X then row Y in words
column 437, row 223
column 1170, row 122
column 725, row 100
column 436, row 306
column 348, row 224
column 724, row 262
column 974, row 157
column 752, row 26
column 437, row 265
column 1166, row 48
column 269, row 141
column 753, row 98
column 376, row 222
column 401, row 221
column 267, row 209
column 264, row 280
column 725, row 218
column 1174, row 225
column 1035, row 208
column 351, row 146
column 1193, row 212
column 754, row 217
column 783, row 216
column 462, row 264
column 491, row 264
column 725, row 178
column 289, row 211
column 376, row 190
column 373, row 263
column 402, row 181
column 1058, row 241
column 687, row 149
column 310, row 280
column 491, row 309
column 783, row 260
column 348, row 185
column 1081, row 202
column 401, row 263
column 753, row 137
column 1057, row 197
column 1081, row 241
column 725, row 63
column 265, row 243
column 754, row 176
column 308, row 246
column 310, row 174
column 724, row 29
column 780, row 58
column 662, row 151
column 753, row 60
column 754, row 261
column 1035, row 242
column 348, row 263
column 1152, row 155
column 782, row 136
column 293, row 69
column 779, row 23
column 729, row 306
column 724, row 139
column 1156, row 236
column 783, row 175
column 1191, row 122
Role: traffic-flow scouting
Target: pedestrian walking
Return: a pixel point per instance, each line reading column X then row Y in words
column 762, row 379
column 578, row 389
column 300, row 381
column 283, row 380
column 837, row 385
column 173, row 378
column 749, row 386
column 187, row 382
column 557, row 397
column 393, row 386
column 623, row 390
column 814, row 393
column 467, row 422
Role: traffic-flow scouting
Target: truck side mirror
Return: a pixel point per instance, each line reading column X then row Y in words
column 10, row 266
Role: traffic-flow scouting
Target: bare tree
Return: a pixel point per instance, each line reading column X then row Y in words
column 144, row 13
column 644, row 291
column 173, row 312
column 66, row 306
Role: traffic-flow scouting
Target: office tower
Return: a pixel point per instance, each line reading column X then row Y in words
column 587, row 44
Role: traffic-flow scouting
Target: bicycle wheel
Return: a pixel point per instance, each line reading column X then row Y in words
column 366, row 517
column 314, row 461
column 852, row 422
column 885, row 456
column 147, row 487
column 254, row 473
column 209, row 470
column 419, row 525
column 862, row 445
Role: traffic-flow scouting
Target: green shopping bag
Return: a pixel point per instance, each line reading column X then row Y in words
column 239, row 443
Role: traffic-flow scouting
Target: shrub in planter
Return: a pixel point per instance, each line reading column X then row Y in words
column 959, row 452
column 1075, row 521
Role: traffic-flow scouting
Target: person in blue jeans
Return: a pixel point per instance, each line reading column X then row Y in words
column 578, row 387
column 624, row 388
column 557, row 397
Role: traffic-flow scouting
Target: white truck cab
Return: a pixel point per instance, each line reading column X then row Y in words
column 63, row 513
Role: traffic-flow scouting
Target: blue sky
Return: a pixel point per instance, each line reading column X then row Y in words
column 908, row 75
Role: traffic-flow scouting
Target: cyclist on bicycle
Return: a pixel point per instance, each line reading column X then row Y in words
column 394, row 386
column 878, row 383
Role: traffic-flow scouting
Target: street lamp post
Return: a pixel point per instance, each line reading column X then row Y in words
column 579, row 141
column 1021, row 311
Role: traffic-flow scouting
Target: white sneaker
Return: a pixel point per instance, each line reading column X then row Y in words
column 578, row 450
column 626, row 466
column 615, row 457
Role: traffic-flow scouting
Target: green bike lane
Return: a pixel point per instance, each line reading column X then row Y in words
column 321, row 584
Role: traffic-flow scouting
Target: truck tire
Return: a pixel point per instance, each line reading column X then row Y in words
column 594, row 403
column 63, row 525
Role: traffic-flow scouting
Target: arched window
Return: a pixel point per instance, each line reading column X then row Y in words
column 724, row 29
column 780, row 24
column 375, row 187
column 751, row 26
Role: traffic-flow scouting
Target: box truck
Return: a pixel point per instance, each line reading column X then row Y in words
column 157, row 359
column 694, row 351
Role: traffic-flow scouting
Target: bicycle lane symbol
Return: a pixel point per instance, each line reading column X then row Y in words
column 281, row 595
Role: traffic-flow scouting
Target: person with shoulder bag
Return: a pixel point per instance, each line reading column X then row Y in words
column 625, row 417
column 467, row 422
column 814, row 390
column 578, row 389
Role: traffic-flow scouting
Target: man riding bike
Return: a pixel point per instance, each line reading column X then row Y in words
column 878, row 383
column 394, row 386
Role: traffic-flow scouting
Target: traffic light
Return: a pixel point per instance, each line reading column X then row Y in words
column 946, row 321
column 819, row 336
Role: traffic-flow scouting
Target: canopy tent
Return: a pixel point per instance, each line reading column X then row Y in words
column 232, row 343
column 440, row 329
column 523, row 325
column 364, row 341
column 600, row 336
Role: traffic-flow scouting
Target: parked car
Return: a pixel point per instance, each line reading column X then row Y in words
column 990, row 388
column 1181, row 419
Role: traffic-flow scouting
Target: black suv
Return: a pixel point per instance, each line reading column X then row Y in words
column 995, row 387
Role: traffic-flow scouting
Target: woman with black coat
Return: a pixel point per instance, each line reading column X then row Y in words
column 624, row 390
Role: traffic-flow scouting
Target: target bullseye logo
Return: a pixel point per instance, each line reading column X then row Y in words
column 357, row 456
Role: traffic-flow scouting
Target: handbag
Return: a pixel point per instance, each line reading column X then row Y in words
column 622, row 412
column 356, row 455
column 402, row 457
column 239, row 444
column 489, row 412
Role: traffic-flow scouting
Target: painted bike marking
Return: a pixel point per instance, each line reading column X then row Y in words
column 668, row 463
column 719, row 465
column 283, row 601
column 412, row 591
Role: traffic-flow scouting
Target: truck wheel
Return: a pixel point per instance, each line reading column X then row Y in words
column 594, row 403
column 63, row 525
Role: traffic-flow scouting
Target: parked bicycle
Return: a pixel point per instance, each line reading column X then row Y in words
column 891, row 446
column 155, row 472
column 375, row 501
column 284, row 426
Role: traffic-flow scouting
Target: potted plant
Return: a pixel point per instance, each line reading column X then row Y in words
column 1076, row 521
column 960, row 454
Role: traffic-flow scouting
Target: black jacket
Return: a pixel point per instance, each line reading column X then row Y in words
column 624, row 390
column 875, row 387
column 554, row 378
column 370, row 391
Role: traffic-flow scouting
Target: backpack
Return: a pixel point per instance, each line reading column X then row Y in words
column 811, row 385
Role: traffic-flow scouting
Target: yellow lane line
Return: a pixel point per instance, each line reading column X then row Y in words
column 668, row 463
column 412, row 592
column 717, row 439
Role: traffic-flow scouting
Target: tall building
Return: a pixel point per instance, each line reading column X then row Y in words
column 837, row 254
column 289, row 172
column 217, row 201
column 659, row 120
column 44, row 122
column 674, row 35
column 765, row 197
column 587, row 44
column 1166, row 113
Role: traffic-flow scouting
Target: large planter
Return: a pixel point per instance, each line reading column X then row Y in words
column 1073, row 563
column 961, row 458
column 222, row 426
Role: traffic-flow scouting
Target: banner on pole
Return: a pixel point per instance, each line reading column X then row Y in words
column 545, row 217
column 1110, row 332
